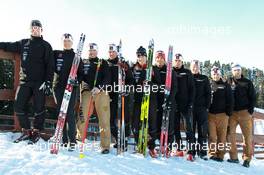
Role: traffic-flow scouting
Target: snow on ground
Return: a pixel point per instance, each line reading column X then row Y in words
column 259, row 110
column 26, row 159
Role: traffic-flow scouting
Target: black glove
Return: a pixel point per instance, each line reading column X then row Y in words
column 189, row 109
column 251, row 111
column 228, row 113
column 46, row 87
column 74, row 82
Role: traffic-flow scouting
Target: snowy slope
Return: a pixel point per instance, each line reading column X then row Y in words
column 23, row 159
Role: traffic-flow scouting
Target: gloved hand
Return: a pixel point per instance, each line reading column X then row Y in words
column 46, row 87
column 228, row 113
column 124, row 66
column 251, row 111
column 190, row 108
column 95, row 91
column 81, row 116
column 74, row 82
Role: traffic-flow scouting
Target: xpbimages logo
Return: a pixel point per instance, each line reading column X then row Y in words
column 145, row 88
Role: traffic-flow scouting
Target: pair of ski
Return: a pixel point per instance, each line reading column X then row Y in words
column 143, row 124
column 143, row 128
column 164, row 147
column 121, row 102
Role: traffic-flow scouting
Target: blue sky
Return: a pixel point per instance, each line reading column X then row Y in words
column 231, row 31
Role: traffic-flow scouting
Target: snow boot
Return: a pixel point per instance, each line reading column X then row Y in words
column 26, row 135
column 153, row 153
column 72, row 147
column 204, row 157
column 190, row 157
column 233, row 160
column 35, row 137
column 179, row 153
column 246, row 163
column 105, row 151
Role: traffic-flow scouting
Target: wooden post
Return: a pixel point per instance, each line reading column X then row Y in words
column 16, row 85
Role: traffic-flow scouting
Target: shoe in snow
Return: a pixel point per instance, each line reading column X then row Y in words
column 204, row 157
column 35, row 137
column 233, row 160
column 179, row 153
column 105, row 151
column 168, row 154
column 190, row 157
column 65, row 145
column 26, row 135
column 246, row 163
column 153, row 153
column 72, row 147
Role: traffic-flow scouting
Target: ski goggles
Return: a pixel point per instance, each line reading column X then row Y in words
column 93, row 46
column 160, row 53
column 112, row 47
column 215, row 71
column 67, row 36
column 178, row 56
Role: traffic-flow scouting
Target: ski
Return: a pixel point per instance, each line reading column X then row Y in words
column 66, row 98
column 166, row 106
column 143, row 128
column 90, row 112
column 121, row 103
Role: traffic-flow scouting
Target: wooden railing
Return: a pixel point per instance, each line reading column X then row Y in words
column 9, row 95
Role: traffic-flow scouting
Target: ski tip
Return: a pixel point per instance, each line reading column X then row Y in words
column 151, row 43
column 81, row 156
column 82, row 37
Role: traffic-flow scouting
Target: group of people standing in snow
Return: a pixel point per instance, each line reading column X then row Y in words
column 211, row 108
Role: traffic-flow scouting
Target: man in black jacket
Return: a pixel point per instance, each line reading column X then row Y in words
column 200, row 109
column 184, row 106
column 220, row 109
column 63, row 62
column 159, row 79
column 36, row 74
column 245, row 100
column 114, row 62
column 98, row 94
